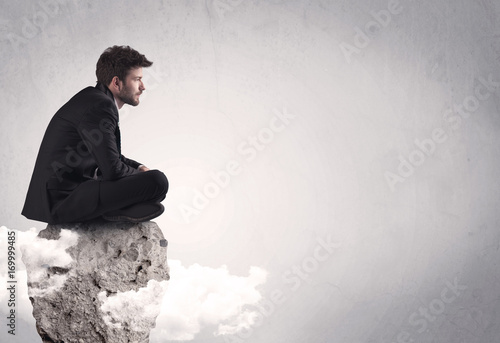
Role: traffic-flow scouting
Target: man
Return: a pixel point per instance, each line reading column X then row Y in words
column 80, row 173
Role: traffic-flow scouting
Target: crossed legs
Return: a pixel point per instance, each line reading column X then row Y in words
column 133, row 198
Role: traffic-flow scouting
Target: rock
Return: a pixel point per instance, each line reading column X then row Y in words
column 97, row 281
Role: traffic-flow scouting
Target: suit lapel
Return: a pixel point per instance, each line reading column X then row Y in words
column 118, row 139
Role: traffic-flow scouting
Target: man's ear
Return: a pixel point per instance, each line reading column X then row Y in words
column 115, row 84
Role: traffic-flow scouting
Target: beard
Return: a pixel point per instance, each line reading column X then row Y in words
column 128, row 96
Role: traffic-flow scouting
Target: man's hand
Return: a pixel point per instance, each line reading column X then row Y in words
column 143, row 168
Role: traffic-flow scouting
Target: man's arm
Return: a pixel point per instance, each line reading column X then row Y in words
column 134, row 164
column 97, row 130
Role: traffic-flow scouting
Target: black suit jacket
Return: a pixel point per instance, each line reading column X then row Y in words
column 83, row 137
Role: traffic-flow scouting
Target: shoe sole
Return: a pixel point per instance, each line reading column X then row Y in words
column 132, row 219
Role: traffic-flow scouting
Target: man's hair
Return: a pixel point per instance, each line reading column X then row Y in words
column 118, row 61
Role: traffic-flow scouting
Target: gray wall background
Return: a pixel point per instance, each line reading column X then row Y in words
column 415, row 258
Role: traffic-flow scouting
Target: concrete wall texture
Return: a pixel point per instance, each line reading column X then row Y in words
column 351, row 148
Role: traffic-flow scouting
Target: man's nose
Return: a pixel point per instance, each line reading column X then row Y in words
column 142, row 87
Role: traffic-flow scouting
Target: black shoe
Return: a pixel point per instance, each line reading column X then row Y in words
column 136, row 213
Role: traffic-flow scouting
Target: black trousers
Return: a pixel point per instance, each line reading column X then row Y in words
column 150, row 186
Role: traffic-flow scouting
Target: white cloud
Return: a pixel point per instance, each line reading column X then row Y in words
column 22, row 303
column 40, row 253
column 242, row 323
column 200, row 296
column 138, row 308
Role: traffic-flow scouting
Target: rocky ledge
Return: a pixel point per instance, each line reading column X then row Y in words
column 97, row 281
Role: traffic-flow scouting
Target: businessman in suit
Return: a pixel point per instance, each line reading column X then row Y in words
column 80, row 173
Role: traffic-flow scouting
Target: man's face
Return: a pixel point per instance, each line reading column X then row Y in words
column 132, row 87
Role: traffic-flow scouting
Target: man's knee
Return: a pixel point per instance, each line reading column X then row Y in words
column 160, row 180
